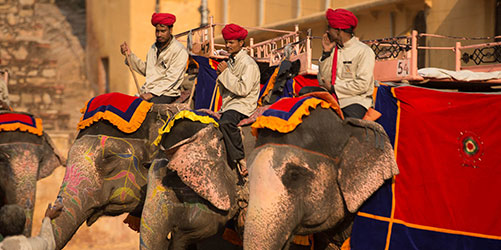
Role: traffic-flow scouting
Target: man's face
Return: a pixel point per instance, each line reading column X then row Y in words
column 162, row 33
column 234, row 46
column 334, row 35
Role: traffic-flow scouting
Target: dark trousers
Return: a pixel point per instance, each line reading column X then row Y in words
column 354, row 111
column 163, row 99
column 231, row 135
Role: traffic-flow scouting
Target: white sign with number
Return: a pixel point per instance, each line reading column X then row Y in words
column 403, row 67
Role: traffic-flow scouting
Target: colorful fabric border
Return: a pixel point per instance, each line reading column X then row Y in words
column 11, row 121
column 447, row 149
column 124, row 111
column 287, row 113
column 291, row 88
column 185, row 114
column 206, row 82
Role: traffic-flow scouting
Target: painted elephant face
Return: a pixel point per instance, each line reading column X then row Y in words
column 106, row 173
column 104, row 176
column 24, row 159
column 310, row 179
column 193, row 196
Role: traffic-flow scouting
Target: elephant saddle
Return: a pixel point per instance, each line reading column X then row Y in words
column 12, row 121
column 126, row 112
column 286, row 114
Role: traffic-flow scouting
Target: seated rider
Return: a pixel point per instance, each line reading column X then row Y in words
column 238, row 79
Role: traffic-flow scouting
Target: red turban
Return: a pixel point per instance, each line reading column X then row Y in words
column 234, row 32
column 341, row 19
column 163, row 18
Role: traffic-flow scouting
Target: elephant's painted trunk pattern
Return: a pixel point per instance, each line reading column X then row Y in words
column 20, row 184
column 78, row 191
column 270, row 218
column 154, row 231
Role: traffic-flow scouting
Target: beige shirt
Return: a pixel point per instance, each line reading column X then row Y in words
column 4, row 92
column 355, row 73
column 239, row 84
column 44, row 240
column 164, row 74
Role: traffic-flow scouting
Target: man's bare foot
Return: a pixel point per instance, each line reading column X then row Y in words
column 242, row 167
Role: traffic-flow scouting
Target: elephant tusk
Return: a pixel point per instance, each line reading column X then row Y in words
column 169, row 235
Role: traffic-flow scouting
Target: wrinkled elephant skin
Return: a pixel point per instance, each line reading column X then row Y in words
column 193, row 195
column 25, row 158
column 313, row 179
column 106, row 172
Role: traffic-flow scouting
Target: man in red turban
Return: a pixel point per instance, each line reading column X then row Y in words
column 238, row 80
column 347, row 65
column 165, row 62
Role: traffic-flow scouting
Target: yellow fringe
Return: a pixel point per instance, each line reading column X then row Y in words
column 38, row 130
column 135, row 122
column 269, row 87
column 282, row 126
column 346, row 244
column 185, row 114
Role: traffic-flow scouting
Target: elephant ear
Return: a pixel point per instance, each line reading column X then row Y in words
column 200, row 163
column 367, row 160
column 51, row 158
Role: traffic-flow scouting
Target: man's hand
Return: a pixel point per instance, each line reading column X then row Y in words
column 54, row 211
column 124, row 48
column 327, row 45
column 221, row 67
column 146, row 96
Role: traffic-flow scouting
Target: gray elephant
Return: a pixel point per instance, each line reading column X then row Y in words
column 193, row 196
column 314, row 178
column 25, row 157
column 107, row 171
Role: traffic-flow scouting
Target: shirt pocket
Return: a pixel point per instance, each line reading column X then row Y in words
column 348, row 70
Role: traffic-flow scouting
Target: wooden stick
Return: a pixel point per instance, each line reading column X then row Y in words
column 132, row 72
column 213, row 95
column 192, row 91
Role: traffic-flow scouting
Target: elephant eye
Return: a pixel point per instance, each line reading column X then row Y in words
column 295, row 176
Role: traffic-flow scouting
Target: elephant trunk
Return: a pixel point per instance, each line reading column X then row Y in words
column 20, row 185
column 78, row 192
column 153, row 230
column 270, row 208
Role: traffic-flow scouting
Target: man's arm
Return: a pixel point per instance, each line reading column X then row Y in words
column 174, row 71
column 240, row 86
column 137, row 64
column 363, row 76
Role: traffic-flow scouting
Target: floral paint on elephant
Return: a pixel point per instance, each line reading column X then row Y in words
column 129, row 175
column 21, row 178
column 86, row 176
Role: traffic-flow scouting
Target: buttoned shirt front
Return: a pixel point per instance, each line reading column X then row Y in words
column 239, row 84
column 355, row 73
column 164, row 73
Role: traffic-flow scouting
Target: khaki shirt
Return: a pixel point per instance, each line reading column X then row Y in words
column 4, row 92
column 354, row 75
column 239, row 84
column 164, row 74
column 44, row 240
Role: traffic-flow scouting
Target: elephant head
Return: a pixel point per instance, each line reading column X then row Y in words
column 24, row 159
column 107, row 171
column 194, row 195
column 313, row 178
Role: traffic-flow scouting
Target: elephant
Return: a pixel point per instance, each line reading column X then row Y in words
column 25, row 158
column 192, row 195
column 314, row 178
column 107, row 171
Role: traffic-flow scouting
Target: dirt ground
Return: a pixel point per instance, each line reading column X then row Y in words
column 107, row 233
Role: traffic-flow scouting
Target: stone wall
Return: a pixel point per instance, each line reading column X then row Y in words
column 41, row 46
